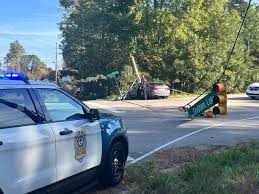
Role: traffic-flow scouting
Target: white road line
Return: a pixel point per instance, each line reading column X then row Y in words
column 129, row 159
column 183, row 137
column 105, row 107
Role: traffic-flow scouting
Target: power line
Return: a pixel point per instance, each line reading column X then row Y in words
column 228, row 59
column 233, row 48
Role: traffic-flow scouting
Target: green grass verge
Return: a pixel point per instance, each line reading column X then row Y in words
column 233, row 170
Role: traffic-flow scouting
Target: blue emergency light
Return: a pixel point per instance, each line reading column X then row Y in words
column 12, row 75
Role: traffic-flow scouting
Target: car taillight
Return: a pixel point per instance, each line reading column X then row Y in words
column 167, row 88
column 154, row 88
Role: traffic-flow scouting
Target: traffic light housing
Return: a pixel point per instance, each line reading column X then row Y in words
column 220, row 99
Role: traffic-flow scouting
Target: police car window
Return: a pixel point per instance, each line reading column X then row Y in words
column 17, row 108
column 59, row 106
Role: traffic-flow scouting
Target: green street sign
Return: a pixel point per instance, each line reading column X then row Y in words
column 202, row 105
column 112, row 74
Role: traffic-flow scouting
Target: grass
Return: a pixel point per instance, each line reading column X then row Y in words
column 140, row 172
column 234, row 170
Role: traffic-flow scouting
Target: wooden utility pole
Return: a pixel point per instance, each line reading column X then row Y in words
column 141, row 79
column 135, row 68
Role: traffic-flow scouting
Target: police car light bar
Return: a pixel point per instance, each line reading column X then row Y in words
column 10, row 75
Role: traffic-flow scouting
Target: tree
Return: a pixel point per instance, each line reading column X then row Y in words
column 15, row 55
column 34, row 67
column 184, row 40
column 190, row 40
column 245, row 62
column 96, row 35
column 17, row 59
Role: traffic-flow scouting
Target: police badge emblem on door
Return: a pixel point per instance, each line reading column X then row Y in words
column 80, row 145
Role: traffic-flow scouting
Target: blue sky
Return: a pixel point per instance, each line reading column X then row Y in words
column 34, row 24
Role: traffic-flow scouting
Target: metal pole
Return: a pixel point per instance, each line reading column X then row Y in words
column 56, row 64
column 117, row 84
column 126, row 94
column 145, row 90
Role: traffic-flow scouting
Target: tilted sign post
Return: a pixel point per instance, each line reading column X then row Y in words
column 218, row 95
column 202, row 105
column 113, row 75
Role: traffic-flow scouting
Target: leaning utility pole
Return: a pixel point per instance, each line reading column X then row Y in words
column 56, row 65
column 141, row 79
column 135, row 68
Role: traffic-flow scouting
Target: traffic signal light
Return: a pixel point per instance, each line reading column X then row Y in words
column 220, row 98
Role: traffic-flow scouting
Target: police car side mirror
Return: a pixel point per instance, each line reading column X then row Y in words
column 94, row 115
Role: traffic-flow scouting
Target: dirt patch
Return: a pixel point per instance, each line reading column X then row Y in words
column 177, row 158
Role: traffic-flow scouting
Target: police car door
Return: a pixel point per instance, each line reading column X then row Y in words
column 78, row 141
column 27, row 146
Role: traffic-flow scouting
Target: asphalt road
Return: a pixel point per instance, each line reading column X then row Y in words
column 156, row 124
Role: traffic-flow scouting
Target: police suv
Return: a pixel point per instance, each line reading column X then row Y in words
column 51, row 142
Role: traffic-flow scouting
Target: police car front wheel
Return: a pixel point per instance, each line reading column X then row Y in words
column 113, row 168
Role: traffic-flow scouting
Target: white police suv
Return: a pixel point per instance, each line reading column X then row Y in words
column 51, row 142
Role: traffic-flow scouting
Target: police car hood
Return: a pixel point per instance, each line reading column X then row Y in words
column 108, row 116
column 111, row 123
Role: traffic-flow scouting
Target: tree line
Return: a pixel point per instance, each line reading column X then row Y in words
column 180, row 42
column 18, row 60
